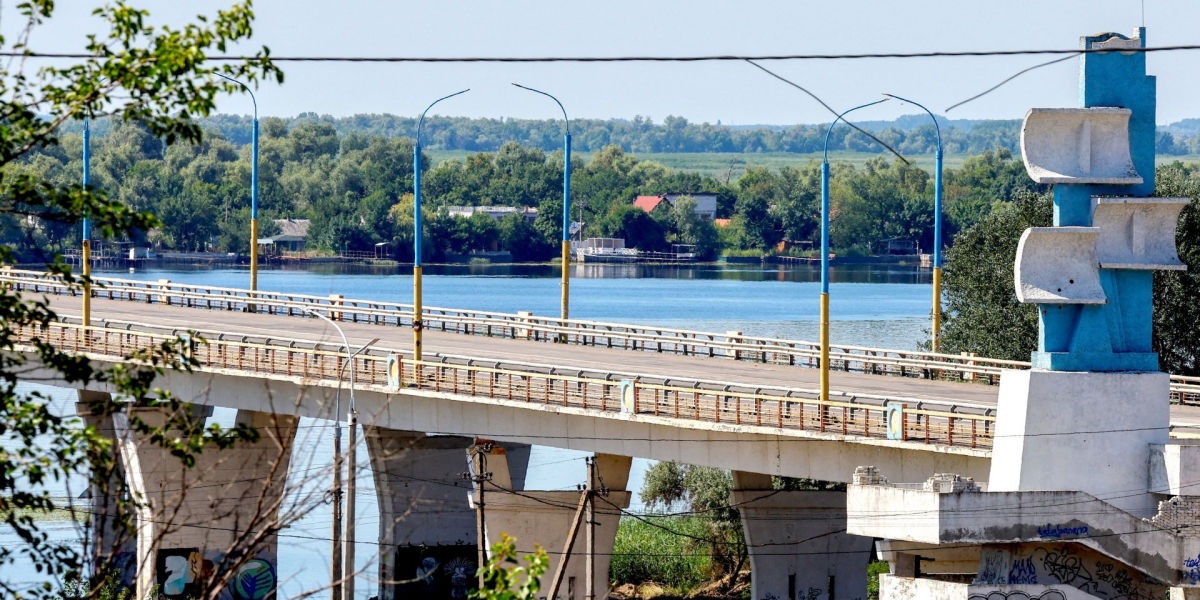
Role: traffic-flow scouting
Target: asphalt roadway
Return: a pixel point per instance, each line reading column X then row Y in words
column 626, row 362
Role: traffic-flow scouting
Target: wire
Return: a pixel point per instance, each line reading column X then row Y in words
column 1008, row 79
column 643, row 58
column 828, row 107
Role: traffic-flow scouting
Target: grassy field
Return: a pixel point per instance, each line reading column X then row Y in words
column 731, row 165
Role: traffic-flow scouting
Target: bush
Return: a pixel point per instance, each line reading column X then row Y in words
column 643, row 552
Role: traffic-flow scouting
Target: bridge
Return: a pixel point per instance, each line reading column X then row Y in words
column 738, row 402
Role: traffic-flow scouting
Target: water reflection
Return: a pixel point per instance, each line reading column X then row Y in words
column 804, row 273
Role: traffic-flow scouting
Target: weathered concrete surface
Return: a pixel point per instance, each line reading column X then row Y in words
column 797, row 544
column 1090, row 432
column 1078, row 146
column 1057, row 265
column 893, row 587
column 1175, row 468
column 426, row 524
column 1031, row 517
column 1137, row 233
column 112, row 545
column 760, row 449
column 544, row 518
column 217, row 515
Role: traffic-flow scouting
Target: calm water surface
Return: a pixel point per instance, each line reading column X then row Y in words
column 883, row 306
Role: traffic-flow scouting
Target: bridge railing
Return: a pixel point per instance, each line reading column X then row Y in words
column 771, row 409
column 849, row 358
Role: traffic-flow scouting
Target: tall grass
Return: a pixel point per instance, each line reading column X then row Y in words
column 644, row 553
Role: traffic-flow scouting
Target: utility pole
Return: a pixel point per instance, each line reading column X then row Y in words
column 479, row 452
column 589, row 572
column 586, row 512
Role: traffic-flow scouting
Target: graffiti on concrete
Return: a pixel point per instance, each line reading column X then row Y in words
column 181, row 572
column 993, row 567
column 1057, row 532
column 435, row 571
column 1191, row 570
column 812, row 594
column 1093, row 573
column 254, row 580
column 1017, row 595
column 1022, row 571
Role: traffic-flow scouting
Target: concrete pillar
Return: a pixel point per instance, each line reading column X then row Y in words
column 112, row 543
column 1185, row 594
column 797, row 542
column 426, row 523
column 545, row 517
column 195, row 523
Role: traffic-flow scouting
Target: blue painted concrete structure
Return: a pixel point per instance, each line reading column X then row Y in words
column 1114, row 336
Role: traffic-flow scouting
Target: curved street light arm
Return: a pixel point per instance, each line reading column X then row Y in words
column 421, row 122
column 937, row 128
column 253, row 100
column 566, row 120
column 840, row 117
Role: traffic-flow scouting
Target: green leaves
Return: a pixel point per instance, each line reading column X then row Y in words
column 501, row 582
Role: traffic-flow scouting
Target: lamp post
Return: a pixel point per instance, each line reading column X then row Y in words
column 342, row 560
column 566, row 218
column 416, row 319
column 937, row 227
column 253, row 187
column 825, row 252
column 85, row 258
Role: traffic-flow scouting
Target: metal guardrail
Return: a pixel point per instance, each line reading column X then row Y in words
column 849, row 358
column 602, row 394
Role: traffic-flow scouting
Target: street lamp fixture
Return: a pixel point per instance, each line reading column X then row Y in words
column 825, row 252
column 937, row 228
column 342, row 559
column 416, row 318
column 253, row 187
column 566, row 214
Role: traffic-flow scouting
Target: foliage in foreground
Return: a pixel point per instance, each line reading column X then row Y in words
column 513, row 582
column 156, row 78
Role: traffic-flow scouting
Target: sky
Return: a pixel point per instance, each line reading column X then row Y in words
column 731, row 93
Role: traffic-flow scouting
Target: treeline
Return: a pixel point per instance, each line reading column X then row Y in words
column 908, row 134
column 357, row 191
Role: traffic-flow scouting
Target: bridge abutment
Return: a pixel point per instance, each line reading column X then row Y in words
column 797, row 542
column 194, row 523
column 545, row 518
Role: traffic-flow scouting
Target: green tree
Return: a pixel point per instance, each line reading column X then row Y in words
column 694, row 229
column 1176, row 312
column 155, row 78
column 706, row 492
column 982, row 314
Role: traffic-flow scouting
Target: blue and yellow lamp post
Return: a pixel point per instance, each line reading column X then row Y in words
column 937, row 227
column 566, row 214
column 825, row 252
column 253, row 187
column 416, row 319
column 86, row 257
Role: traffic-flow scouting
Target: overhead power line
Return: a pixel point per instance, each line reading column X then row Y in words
column 641, row 58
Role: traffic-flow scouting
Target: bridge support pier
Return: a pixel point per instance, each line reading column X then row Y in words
column 112, row 546
column 194, row 523
column 545, row 517
column 797, row 542
column 427, row 529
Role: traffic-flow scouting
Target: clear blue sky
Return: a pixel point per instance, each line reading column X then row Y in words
column 730, row 92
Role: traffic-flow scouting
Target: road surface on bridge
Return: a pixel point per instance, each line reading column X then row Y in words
column 562, row 356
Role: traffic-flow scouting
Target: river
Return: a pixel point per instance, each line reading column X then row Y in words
column 870, row 305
